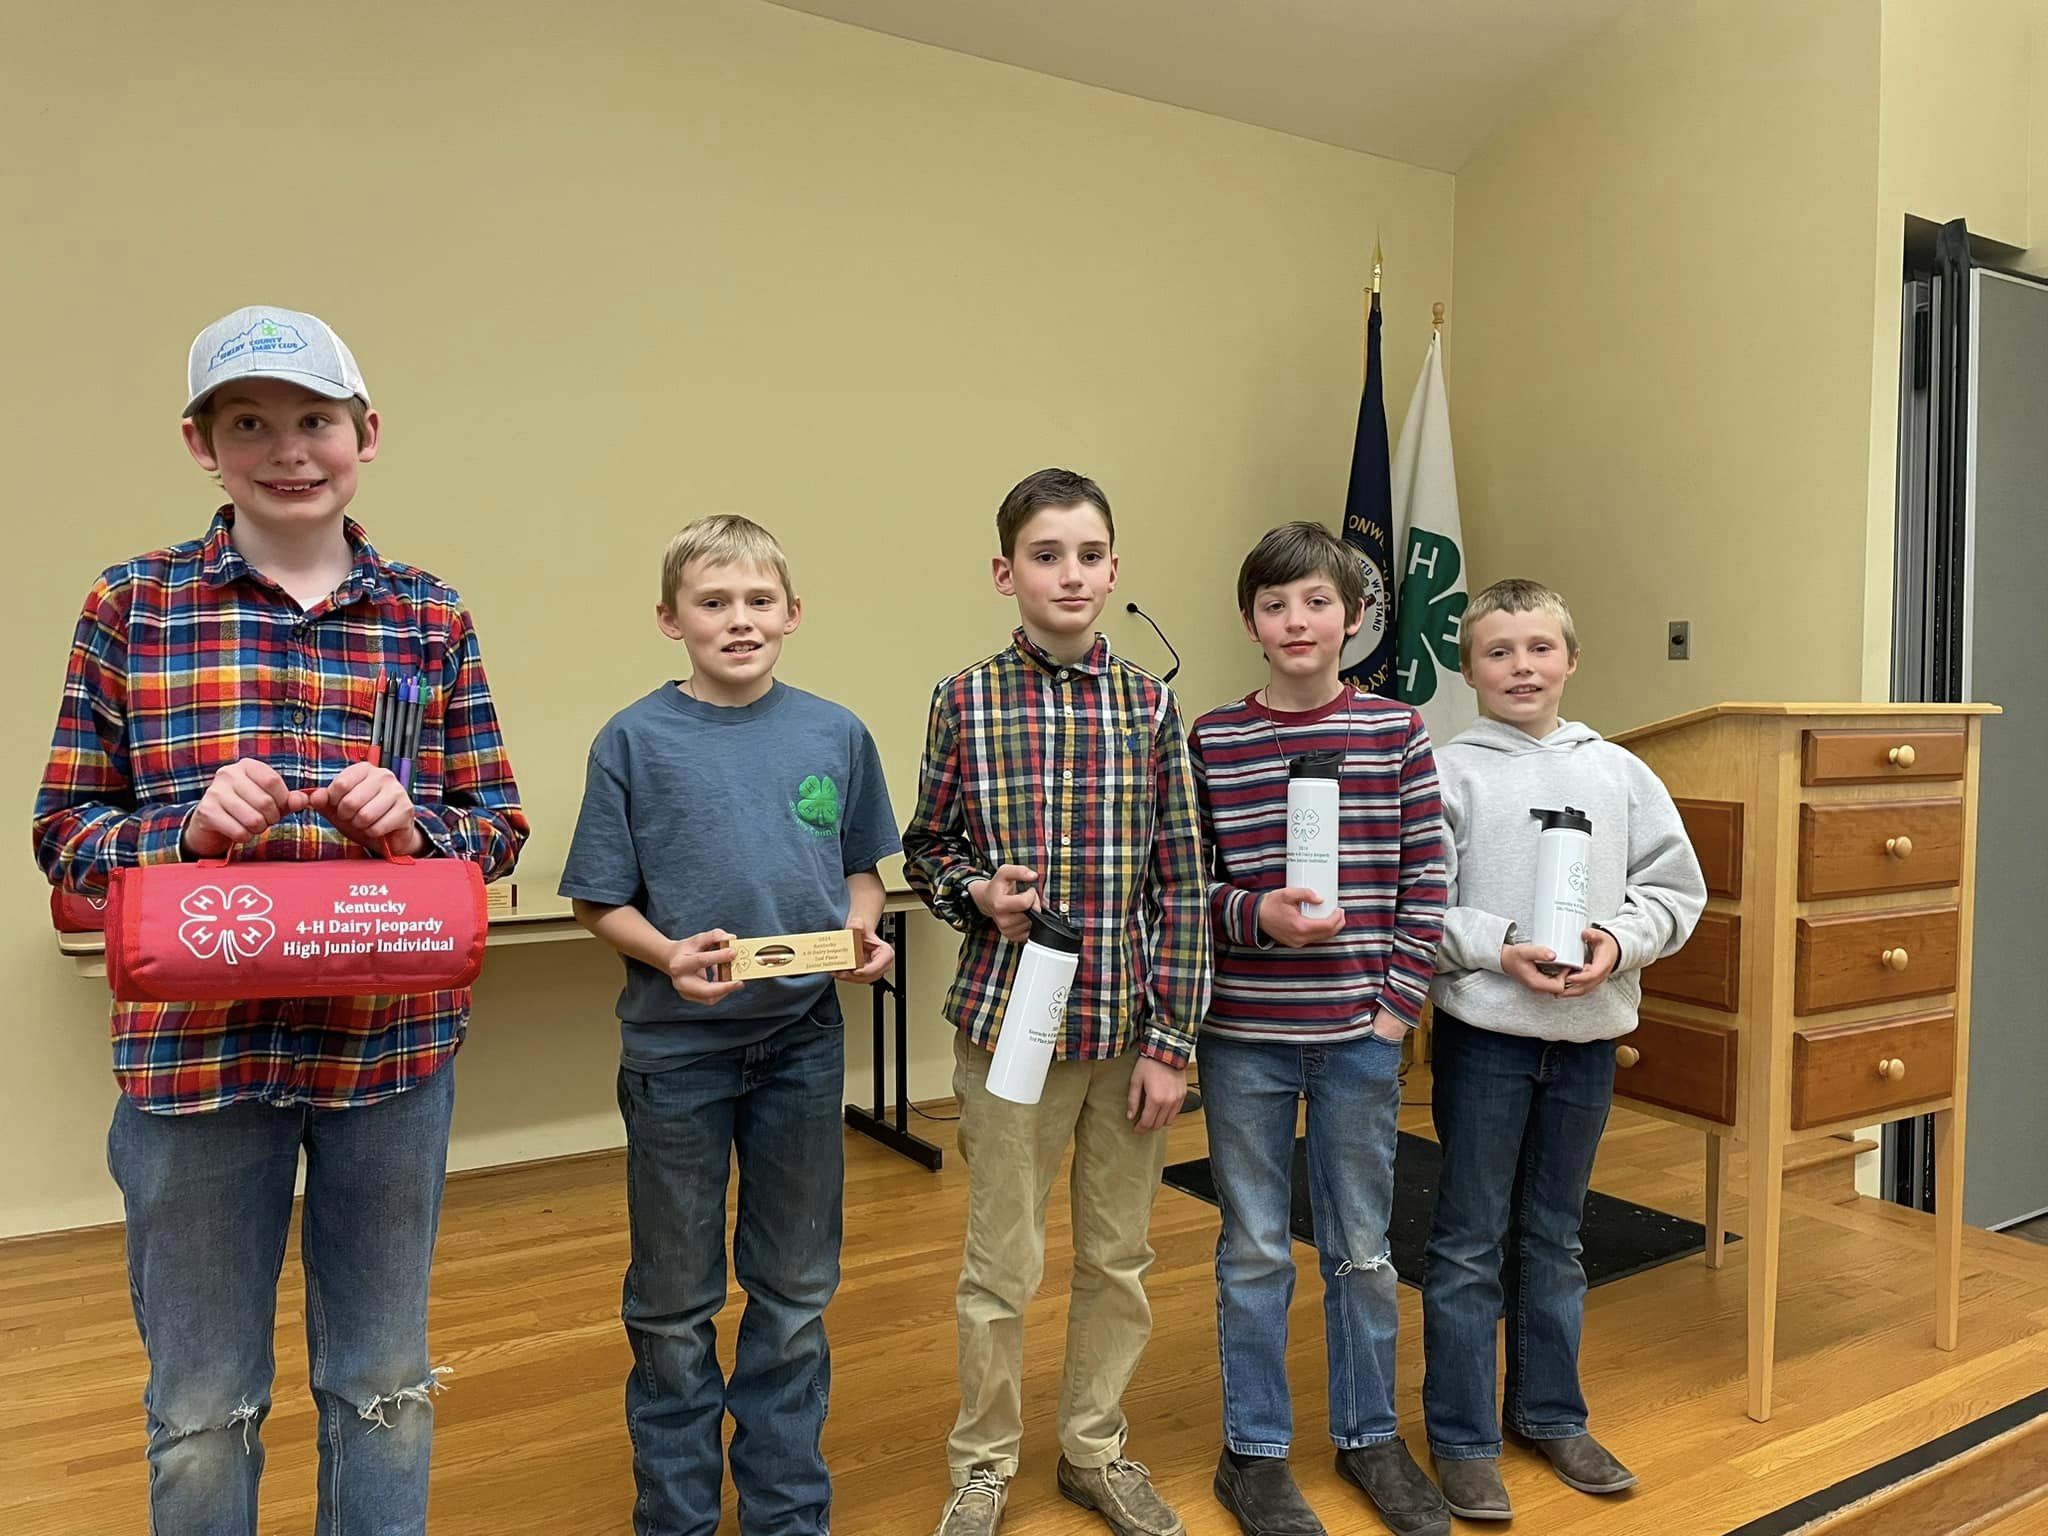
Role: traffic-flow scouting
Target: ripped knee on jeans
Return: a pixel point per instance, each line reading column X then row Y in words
column 378, row 1409
column 246, row 1416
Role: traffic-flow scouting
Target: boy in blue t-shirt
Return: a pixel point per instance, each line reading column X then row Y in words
column 730, row 804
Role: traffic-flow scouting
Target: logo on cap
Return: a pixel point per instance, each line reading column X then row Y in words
column 264, row 337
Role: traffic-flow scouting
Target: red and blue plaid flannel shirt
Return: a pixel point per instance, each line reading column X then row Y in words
column 188, row 659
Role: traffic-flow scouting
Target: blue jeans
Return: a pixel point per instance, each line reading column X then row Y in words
column 777, row 1102
column 209, row 1203
column 1519, row 1121
column 1250, row 1090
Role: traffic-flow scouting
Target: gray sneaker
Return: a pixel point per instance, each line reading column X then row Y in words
column 977, row 1508
column 1122, row 1493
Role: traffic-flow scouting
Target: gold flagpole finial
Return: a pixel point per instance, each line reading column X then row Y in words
column 1376, row 263
column 1436, row 314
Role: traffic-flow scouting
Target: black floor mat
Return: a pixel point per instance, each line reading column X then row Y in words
column 1620, row 1237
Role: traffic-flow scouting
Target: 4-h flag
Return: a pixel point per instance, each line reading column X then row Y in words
column 1368, row 659
column 1429, row 607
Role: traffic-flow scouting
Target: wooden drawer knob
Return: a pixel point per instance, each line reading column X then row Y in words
column 1896, row 959
column 1902, row 756
column 1626, row 1055
column 1899, row 847
column 1892, row 1069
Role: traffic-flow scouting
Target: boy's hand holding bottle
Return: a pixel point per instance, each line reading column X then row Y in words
column 1527, row 964
column 1282, row 920
column 1007, row 899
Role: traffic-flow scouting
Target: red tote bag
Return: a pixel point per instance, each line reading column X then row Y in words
column 75, row 912
column 215, row 931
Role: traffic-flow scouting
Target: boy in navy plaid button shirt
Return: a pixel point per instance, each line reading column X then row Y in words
column 1056, row 773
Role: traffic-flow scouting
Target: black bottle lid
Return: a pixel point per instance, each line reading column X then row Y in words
column 1049, row 930
column 1316, row 765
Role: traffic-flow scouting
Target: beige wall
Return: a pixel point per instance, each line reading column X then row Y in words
column 1663, row 350
column 1957, row 79
column 2036, row 259
column 613, row 266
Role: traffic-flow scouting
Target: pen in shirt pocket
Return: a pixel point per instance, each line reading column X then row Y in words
column 395, row 723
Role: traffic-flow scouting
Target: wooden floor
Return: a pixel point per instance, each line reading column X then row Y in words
column 530, row 1437
column 1997, row 1487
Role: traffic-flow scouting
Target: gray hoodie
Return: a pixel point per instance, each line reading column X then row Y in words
column 1647, row 888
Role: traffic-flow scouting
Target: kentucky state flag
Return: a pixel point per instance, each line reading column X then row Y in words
column 1368, row 527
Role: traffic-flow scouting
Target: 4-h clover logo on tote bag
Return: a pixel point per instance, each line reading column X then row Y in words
column 229, row 924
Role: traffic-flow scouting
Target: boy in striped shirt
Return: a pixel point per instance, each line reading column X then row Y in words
column 1317, row 1009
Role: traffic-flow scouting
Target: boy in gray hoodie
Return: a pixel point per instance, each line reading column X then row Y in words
column 1524, row 1047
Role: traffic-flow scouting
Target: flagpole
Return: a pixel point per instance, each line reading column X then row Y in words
column 1372, row 302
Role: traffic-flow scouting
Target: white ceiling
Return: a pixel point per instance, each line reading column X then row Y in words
column 1423, row 81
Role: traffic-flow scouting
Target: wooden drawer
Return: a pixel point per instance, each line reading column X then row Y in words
column 1839, row 1070
column 1714, row 827
column 1868, row 847
column 1876, row 757
column 1680, row 1065
column 1874, row 957
column 1708, row 971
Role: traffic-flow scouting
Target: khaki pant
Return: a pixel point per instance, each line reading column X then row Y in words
column 1012, row 1153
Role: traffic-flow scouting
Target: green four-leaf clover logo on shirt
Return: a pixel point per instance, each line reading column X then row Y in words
column 816, row 805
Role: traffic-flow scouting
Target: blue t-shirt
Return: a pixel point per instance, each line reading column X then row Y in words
column 746, row 819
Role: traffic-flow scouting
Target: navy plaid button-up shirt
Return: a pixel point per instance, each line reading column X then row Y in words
column 1080, row 771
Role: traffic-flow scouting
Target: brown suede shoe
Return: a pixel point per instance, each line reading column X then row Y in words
column 1473, row 1489
column 1583, row 1463
column 975, row 1508
column 1400, row 1490
column 1122, row 1493
column 1262, row 1494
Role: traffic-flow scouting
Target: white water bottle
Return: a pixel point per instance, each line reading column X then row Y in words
column 1036, row 1009
column 1314, row 829
column 1564, row 874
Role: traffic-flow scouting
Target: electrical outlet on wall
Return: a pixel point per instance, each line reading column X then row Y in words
column 1678, row 640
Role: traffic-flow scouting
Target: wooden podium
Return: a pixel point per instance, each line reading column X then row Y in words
column 1827, row 986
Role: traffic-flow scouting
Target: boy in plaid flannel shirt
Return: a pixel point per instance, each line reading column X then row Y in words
column 1056, row 773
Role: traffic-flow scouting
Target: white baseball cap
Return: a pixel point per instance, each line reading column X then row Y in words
column 265, row 342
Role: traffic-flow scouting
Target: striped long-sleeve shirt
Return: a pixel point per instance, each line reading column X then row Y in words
column 1390, row 862
column 188, row 659
column 1078, row 770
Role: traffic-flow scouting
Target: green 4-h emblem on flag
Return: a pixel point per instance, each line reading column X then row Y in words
column 1427, row 615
